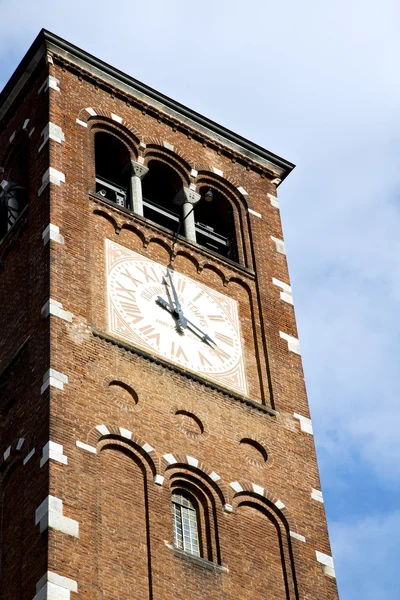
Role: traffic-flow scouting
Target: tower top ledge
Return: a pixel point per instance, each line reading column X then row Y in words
column 47, row 42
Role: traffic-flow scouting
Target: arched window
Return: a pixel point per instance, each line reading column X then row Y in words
column 185, row 523
column 113, row 169
column 160, row 187
column 215, row 225
column 14, row 189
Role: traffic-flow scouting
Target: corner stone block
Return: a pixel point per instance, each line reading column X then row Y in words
column 52, row 585
column 49, row 515
column 292, row 342
column 305, row 423
column 327, row 563
column 52, row 232
column 53, row 451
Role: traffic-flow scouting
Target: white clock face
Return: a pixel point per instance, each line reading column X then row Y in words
column 169, row 314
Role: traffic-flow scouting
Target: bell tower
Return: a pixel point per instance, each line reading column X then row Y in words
column 156, row 441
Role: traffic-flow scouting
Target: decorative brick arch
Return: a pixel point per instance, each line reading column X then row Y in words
column 153, row 143
column 11, row 453
column 239, row 490
column 97, row 115
column 120, row 434
column 187, row 463
column 224, row 183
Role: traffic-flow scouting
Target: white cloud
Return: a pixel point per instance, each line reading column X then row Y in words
column 366, row 557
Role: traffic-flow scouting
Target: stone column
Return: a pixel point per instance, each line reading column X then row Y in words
column 138, row 172
column 187, row 199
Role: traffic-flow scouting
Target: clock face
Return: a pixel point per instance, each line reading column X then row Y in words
column 170, row 315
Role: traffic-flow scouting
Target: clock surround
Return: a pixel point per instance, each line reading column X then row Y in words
column 141, row 310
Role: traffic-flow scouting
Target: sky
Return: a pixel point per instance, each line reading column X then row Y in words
column 318, row 84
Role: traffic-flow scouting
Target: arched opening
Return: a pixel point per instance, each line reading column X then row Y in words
column 113, row 169
column 185, row 522
column 160, row 187
column 14, row 189
column 215, row 224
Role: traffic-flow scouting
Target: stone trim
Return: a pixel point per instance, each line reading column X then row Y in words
column 305, row 423
column 91, row 449
column 286, row 293
column 297, row 536
column 242, row 190
column 52, row 307
column 273, row 200
column 292, row 342
column 51, row 175
column 218, row 172
column 202, row 562
column 52, row 232
column 52, row 132
column 28, row 456
column 116, row 118
column 317, row 495
column 53, row 451
column 327, row 563
column 54, row 587
column 255, row 213
column 55, row 379
column 280, row 245
column 49, row 515
column 50, row 82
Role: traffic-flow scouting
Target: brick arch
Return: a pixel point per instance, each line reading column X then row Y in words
column 123, row 435
column 11, row 151
column 185, row 463
column 225, row 184
column 153, row 142
column 170, row 158
column 96, row 115
column 108, row 216
column 22, row 128
column 238, row 203
column 12, row 453
column 247, row 489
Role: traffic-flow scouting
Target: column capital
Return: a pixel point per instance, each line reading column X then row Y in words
column 139, row 170
column 186, row 196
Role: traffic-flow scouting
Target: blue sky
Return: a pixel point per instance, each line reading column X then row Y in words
column 317, row 83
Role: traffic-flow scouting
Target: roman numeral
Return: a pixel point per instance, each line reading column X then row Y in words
column 181, row 285
column 148, row 272
column 220, row 353
column 216, row 318
column 133, row 311
column 224, row 338
column 151, row 333
column 131, row 278
column 199, row 295
column 177, row 352
column 123, row 292
column 203, row 360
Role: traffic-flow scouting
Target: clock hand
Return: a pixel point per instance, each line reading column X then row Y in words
column 204, row 336
column 178, row 309
column 165, row 304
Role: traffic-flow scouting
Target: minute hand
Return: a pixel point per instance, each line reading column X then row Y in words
column 204, row 336
column 178, row 309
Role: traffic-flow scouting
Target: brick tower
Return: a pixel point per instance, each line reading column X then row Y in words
column 156, row 442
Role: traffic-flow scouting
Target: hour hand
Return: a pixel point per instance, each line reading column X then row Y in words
column 165, row 304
